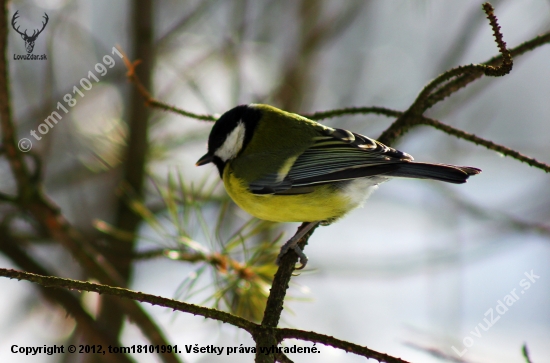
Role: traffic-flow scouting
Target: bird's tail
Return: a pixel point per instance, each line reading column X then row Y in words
column 447, row 173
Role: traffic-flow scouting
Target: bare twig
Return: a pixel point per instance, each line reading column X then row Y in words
column 465, row 79
column 310, row 336
column 410, row 118
column 93, row 331
column 419, row 104
column 255, row 330
column 152, row 102
column 488, row 144
column 439, row 126
column 274, row 306
column 507, row 62
column 50, row 281
column 352, row 111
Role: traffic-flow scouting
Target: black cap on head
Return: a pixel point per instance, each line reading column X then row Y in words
column 245, row 114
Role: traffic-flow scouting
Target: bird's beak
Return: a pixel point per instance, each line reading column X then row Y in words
column 205, row 159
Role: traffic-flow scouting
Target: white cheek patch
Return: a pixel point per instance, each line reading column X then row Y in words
column 233, row 144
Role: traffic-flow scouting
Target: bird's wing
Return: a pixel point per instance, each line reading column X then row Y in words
column 335, row 155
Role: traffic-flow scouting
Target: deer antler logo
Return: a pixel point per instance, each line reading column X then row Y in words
column 29, row 40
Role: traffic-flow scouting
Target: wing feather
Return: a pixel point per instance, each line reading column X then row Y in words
column 335, row 155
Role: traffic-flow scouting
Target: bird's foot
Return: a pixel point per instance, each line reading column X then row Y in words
column 293, row 244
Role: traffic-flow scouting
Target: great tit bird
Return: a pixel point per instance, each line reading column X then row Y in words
column 283, row 167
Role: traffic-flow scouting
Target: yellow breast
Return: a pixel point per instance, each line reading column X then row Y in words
column 324, row 204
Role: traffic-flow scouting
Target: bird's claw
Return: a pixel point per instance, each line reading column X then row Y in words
column 302, row 256
column 293, row 243
column 297, row 250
